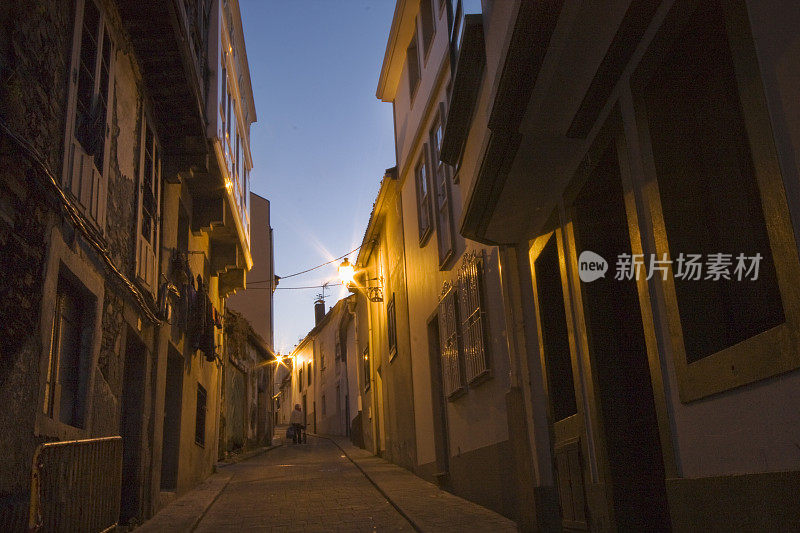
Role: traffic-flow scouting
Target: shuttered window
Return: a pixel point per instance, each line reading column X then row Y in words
column 473, row 323
column 391, row 326
column 89, row 101
column 424, row 214
column 452, row 374
column 148, row 206
column 445, row 236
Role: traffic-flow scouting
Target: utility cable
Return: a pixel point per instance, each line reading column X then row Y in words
column 313, row 268
column 79, row 219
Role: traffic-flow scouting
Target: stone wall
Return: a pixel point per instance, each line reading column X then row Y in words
column 35, row 48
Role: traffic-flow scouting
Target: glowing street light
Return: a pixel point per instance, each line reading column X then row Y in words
column 347, row 273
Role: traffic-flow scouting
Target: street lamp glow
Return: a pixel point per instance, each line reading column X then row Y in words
column 347, row 272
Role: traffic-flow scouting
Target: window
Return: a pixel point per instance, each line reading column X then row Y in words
column 721, row 192
column 87, row 136
column 428, row 25
column 321, row 360
column 445, row 236
column 470, row 306
column 391, row 326
column 342, row 345
column 323, row 405
column 555, row 336
column 70, row 354
column 148, row 205
column 708, row 178
column 412, row 65
column 366, row 370
column 423, row 197
column 309, row 374
column 452, row 368
column 200, row 417
column 300, row 378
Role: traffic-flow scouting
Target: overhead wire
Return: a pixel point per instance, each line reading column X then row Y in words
column 79, row 220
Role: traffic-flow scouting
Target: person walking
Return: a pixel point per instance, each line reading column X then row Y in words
column 296, row 421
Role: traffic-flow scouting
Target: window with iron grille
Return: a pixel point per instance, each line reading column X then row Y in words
column 200, row 417
column 452, row 368
column 391, row 326
column 471, row 314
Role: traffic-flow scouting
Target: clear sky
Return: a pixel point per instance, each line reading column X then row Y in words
column 322, row 140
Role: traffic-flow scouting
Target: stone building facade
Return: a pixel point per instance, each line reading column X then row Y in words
column 114, row 203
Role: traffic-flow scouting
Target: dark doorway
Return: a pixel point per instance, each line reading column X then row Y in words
column 619, row 357
column 347, row 415
column 131, row 427
column 173, row 395
column 439, row 404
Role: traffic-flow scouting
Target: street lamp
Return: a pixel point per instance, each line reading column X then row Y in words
column 347, row 273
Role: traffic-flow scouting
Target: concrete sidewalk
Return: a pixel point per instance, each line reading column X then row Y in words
column 423, row 504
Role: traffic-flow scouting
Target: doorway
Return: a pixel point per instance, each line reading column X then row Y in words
column 133, row 386
column 439, row 404
column 173, row 395
column 618, row 354
column 559, row 364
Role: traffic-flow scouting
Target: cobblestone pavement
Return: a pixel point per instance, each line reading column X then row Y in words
column 308, row 487
column 325, row 485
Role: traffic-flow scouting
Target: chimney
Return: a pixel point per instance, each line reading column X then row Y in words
column 319, row 311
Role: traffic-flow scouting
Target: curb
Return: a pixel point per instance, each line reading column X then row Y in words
column 374, row 484
column 244, row 456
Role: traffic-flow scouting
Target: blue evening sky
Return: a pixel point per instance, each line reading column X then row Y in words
column 322, row 140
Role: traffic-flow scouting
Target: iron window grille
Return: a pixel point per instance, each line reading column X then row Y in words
column 472, row 315
column 452, row 367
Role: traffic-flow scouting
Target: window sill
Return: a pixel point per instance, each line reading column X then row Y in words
column 414, row 91
column 455, row 395
column 484, row 376
column 425, row 237
column 50, row 427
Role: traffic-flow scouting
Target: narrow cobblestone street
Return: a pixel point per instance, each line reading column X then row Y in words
column 317, row 487
column 311, row 487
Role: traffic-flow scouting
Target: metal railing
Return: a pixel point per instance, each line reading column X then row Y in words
column 75, row 485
